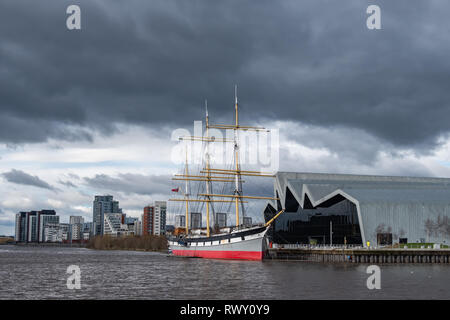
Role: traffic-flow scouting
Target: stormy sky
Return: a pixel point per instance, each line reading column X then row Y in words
column 91, row 111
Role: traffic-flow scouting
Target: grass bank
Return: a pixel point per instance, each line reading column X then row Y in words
column 139, row 243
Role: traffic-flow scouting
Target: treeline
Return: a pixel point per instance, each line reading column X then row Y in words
column 6, row 240
column 144, row 243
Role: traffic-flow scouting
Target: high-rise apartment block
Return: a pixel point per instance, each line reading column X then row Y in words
column 76, row 224
column 30, row 225
column 102, row 205
column 160, row 217
column 45, row 220
column 180, row 221
column 247, row 221
column 138, row 228
column 196, row 220
column 45, row 226
column 76, row 220
column 221, row 219
column 154, row 219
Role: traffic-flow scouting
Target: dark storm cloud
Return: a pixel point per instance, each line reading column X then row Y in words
column 20, row 177
column 131, row 183
column 153, row 63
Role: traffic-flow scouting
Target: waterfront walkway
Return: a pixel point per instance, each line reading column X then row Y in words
column 358, row 254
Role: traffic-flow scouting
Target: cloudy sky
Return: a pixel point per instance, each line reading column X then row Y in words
column 92, row 111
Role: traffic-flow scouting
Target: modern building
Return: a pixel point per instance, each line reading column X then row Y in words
column 180, row 221
column 221, row 219
column 154, row 219
column 88, row 227
column 147, row 220
column 102, row 205
column 130, row 220
column 112, row 223
column 160, row 218
column 76, row 223
column 76, row 220
column 43, row 221
column 85, row 236
column 195, row 220
column 29, row 225
column 21, row 227
column 76, row 231
column 52, row 232
column 359, row 209
column 32, row 223
column 66, row 232
column 138, row 228
column 170, row 228
column 247, row 221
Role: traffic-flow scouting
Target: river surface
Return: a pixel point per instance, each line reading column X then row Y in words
column 41, row 273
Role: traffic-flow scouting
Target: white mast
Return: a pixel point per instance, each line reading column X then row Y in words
column 208, row 175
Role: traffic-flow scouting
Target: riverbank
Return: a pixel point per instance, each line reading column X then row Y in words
column 136, row 243
column 6, row 240
column 51, row 244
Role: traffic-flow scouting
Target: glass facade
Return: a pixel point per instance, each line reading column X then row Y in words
column 336, row 222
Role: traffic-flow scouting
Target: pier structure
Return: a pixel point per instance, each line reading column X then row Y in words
column 359, row 254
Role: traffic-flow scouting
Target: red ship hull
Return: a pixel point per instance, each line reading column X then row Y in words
column 246, row 244
column 217, row 254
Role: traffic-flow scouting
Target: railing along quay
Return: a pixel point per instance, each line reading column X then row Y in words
column 357, row 254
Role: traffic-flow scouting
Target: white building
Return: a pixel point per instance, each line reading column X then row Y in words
column 66, row 231
column 180, row 221
column 76, row 231
column 52, row 232
column 196, row 220
column 221, row 219
column 113, row 225
column 138, row 228
column 160, row 218
column 76, row 220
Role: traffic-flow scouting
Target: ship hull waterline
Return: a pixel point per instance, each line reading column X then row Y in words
column 236, row 247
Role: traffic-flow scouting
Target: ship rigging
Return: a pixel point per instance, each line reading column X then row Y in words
column 231, row 244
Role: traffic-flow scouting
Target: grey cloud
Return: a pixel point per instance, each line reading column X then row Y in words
column 131, row 183
column 153, row 63
column 67, row 184
column 7, row 223
column 17, row 130
column 23, row 178
column 74, row 176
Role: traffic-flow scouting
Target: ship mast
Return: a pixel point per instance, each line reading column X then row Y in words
column 237, row 190
column 210, row 175
column 186, row 196
column 237, row 172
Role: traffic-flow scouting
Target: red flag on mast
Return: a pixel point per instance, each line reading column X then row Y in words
column 175, row 190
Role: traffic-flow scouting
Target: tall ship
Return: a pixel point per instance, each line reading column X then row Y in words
column 243, row 240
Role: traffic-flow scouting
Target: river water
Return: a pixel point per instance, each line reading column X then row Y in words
column 41, row 273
